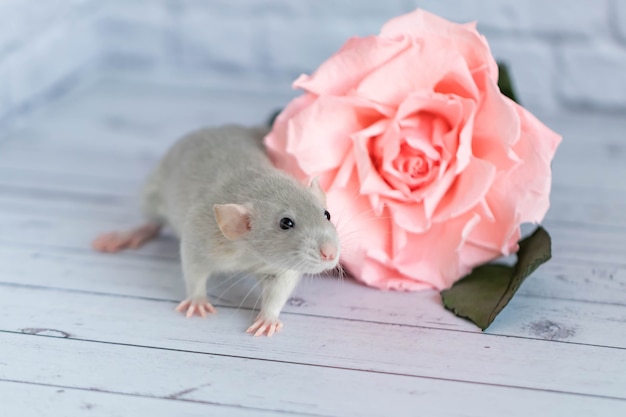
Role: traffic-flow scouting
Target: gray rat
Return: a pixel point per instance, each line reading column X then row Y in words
column 234, row 211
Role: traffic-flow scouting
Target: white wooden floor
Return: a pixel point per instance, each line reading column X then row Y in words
column 83, row 333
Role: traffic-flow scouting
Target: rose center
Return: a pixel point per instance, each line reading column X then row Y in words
column 407, row 162
column 415, row 167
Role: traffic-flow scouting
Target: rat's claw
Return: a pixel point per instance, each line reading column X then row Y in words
column 182, row 306
column 261, row 325
column 272, row 330
column 189, row 307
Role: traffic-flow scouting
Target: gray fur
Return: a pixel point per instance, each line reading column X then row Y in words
column 228, row 165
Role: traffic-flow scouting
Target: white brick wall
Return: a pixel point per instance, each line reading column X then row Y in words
column 565, row 55
column 43, row 46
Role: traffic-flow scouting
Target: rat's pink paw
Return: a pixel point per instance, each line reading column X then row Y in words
column 201, row 306
column 265, row 325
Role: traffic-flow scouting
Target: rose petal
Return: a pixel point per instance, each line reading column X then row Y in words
column 496, row 126
column 416, row 69
column 468, row 190
column 384, row 276
column 385, row 151
column 399, row 173
column 504, row 230
column 276, row 141
column 358, row 228
column 347, row 67
column 433, row 257
column 484, row 211
column 445, row 34
column 420, row 143
column 326, row 124
column 464, row 149
column 343, row 174
column 386, row 148
column 399, row 238
column 521, row 194
column 458, row 85
column 457, row 113
column 371, row 181
column 530, row 181
column 473, row 254
column 437, row 192
column 411, row 217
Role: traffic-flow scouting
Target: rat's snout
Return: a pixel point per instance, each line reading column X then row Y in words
column 328, row 251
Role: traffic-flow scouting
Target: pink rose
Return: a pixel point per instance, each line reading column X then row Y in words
column 429, row 169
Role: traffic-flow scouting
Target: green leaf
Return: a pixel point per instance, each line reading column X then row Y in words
column 505, row 82
column 481, row 295
column 272, row 118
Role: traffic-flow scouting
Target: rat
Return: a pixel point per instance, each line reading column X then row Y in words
column 234, row 212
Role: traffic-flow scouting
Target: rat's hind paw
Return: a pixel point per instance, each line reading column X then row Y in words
column 263, row 325
column 114, row 242
column 191, row 306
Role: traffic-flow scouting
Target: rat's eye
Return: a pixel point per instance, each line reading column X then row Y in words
column 327, row 214
column 286, row 223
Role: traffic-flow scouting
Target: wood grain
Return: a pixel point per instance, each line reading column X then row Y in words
column 45, row 400
column 329, row 342
column 251, row 385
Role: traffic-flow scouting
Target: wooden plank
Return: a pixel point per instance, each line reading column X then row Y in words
column 560, row 278
column 587, row 205
column 99, row 128
column 601, row 282
column 348, row 344
column 527, row 317
column 571, row 240
column 36, row 400
column 75, row 233
column 125, row 273
column 593, row 206
column 584, row 243
column 36, row 184
column 75, row 225
column 54, row 158
column 133, row 160
column 566, row 278
column 253, row 384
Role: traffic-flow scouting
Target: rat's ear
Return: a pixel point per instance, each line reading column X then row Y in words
column 232, row 219
column 317, row 190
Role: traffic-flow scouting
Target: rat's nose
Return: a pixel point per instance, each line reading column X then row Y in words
column 328, row 251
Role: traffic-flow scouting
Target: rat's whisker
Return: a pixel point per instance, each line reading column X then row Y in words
column 259, row 297
column 242, row 276
column 256, row 284
column 359, row 216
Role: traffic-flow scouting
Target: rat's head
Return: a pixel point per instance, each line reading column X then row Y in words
column 286, row 225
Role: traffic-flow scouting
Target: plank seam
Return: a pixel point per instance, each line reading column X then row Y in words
column 225, row 306
column 165, row 398
column 461, row 381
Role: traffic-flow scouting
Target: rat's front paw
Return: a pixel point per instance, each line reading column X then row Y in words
column 199, row 305
column 263, row 324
